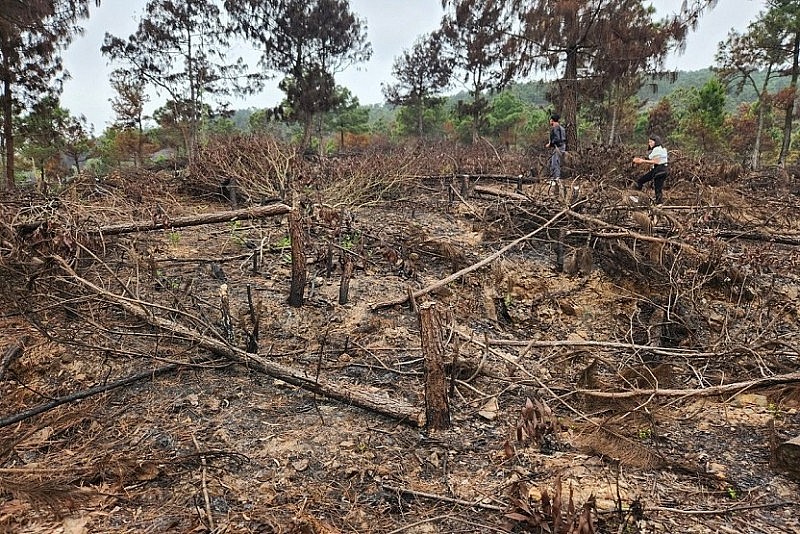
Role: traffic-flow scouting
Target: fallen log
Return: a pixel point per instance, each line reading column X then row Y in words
column 373, row 401
column 165, row 222
column 781, row 239
column 499, row 193
column 711, row 391
column 620, row 231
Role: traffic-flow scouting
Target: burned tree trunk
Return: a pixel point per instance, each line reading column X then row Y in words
column 9, row 355
column 298, row 259
column 787, row 457
column 347, row 273
column 437, row 405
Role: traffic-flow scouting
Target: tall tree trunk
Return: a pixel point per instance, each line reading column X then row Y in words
column 476, row 109
column 193, row 97
column 789, row 117
column 569, row 101
column 421, row 118
column 308, row 123
column 139, row 141
column 612, row 130
column 8, row 132
column 755, row 160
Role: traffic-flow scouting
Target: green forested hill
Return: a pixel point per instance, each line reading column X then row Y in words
column 655, row 89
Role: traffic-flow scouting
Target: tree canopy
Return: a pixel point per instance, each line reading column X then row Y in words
column 307, row 42
column 32, row 35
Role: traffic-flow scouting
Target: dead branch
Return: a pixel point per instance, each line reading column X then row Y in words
column 190, row 220
column 736, row 387
column 665, row 351
column 55, row 403
column 620, row 232
column 443, row 498
column 379, row 403
column 204, row 482
column 723, row 511
column 455, row 276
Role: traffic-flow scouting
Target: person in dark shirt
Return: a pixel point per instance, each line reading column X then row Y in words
column 558, row 142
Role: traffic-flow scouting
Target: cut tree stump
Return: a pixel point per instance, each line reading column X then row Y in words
column 787, row 457
column 437, row 405
column 298, row 259
column 344, row 286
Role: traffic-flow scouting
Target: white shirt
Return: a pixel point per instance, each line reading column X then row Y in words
column 658, row 154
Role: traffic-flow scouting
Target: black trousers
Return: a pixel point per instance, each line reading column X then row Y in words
column 658, row 175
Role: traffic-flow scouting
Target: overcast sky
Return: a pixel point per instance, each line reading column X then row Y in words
column 392, row 26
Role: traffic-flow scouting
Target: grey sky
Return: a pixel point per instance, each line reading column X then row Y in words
column 393, row 25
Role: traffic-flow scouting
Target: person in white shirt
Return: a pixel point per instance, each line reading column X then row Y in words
column 658, row 173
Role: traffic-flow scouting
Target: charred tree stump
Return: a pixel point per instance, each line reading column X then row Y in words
column 298, row 259
column 225, row 310
column 437, row 405
column 344, row 286
column 228, row 187
column 787, row 458
column 329, row 260
column 9, row 355
column 560, row 251
column 466, row 187
column 255, row 319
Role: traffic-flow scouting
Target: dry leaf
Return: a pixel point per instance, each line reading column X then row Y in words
column 490, row 409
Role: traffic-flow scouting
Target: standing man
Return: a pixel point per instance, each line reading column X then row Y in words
column 558, row 142
column 658, row 173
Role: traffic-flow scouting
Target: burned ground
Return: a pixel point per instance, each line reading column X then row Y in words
column 623, row 367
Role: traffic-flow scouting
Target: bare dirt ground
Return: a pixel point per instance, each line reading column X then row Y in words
column 642, row 387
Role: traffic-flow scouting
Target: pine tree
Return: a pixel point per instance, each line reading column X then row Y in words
column 308, row 42
column 32, row 35
column 421, row 73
